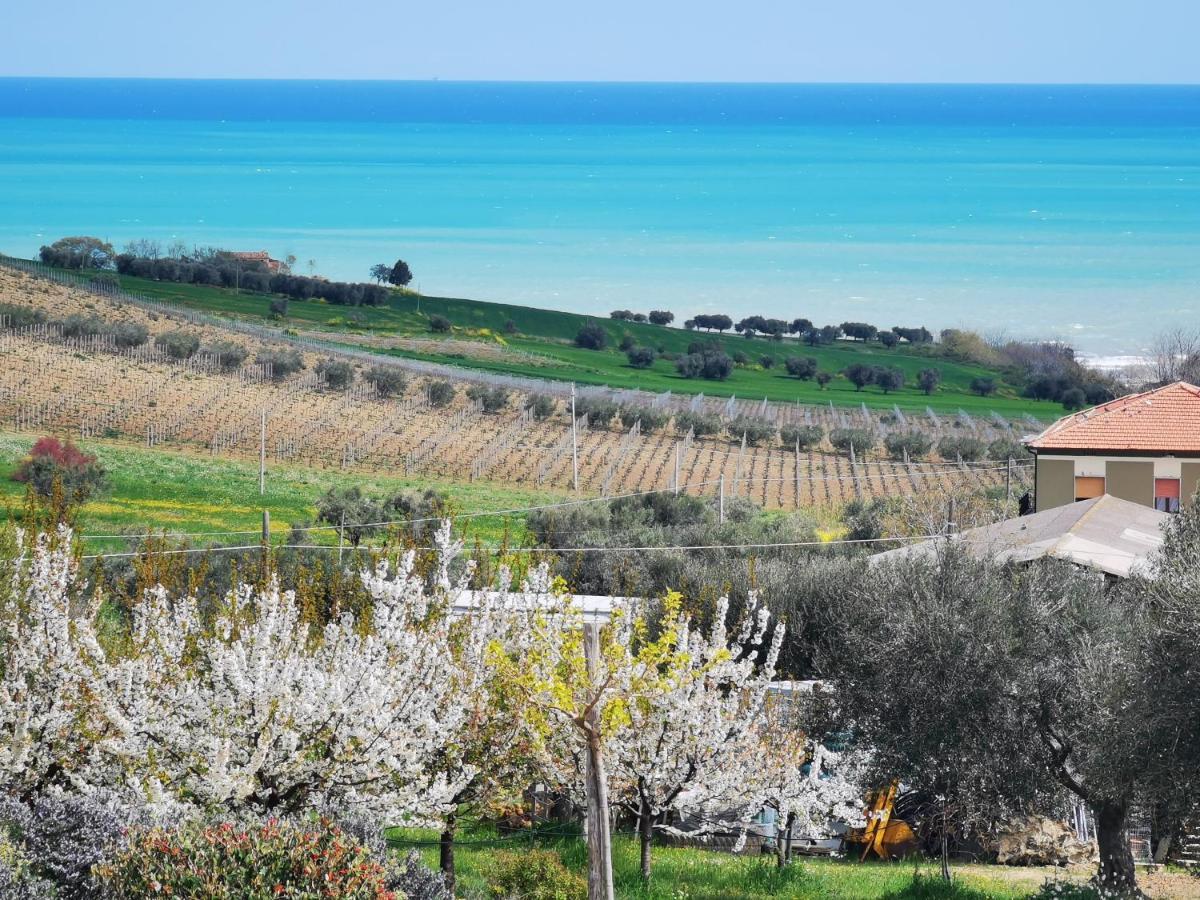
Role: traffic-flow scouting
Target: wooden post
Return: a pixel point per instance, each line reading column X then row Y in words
column 675, row 483
column 599, row 839
column 266, row 541
column 951, row 525
column 341, row 536
column 721, row 499
column 574, row 444
column 1008, row 482
column 797, row 473
column 262, row 455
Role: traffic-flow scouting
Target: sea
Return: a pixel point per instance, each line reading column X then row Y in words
column 1048, row 212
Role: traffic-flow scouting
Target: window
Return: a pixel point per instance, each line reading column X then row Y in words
column 1087, row 488
column 1166, row 495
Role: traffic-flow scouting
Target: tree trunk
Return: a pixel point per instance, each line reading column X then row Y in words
column 646, row 835
column 446, row 851
column 600, row 873
column 1116, row 859
column 783, row 840
column 946, row 874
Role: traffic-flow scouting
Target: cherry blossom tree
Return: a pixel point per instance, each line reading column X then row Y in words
column 668, row 711
column 259, row 710
column 50, row 658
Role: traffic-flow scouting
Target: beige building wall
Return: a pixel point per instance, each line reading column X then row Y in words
column 1055, row 483
column 1189, row 479
column 1130, row 480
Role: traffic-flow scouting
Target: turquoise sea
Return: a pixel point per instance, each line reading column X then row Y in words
column 1070, row 212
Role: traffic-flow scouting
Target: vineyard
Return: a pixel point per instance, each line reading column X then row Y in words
column 90, row 385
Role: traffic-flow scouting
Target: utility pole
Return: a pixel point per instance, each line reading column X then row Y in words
column 262, row 455
column 574, row 444
column 721, row 499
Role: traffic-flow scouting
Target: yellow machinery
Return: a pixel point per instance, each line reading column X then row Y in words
column 884, row 835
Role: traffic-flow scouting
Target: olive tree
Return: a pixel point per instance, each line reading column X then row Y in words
column 996, row 688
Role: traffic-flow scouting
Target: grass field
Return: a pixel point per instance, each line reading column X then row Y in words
column 157, row 489
column 699, row 874
column 545, row 339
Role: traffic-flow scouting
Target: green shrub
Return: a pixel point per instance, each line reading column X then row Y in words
column 230, row 354
column 592, row 337
column 954, row 446
column 626, row 343
column 283, row 362
column 915, row 443
column 389, row 381
column 278, row 307
column 802, row 367
column 541, row 406
column 440, row 324
column 228, row 861
column 641, row 357
column 338, row 373
column 756, row 431
column 492, row 399
column 178, row 344
column 1004, row 449
column 81, row 325
column 533, row 875
column 441, row 393
column 651, row 419
column 700, row 423
column 843, row 439
column 808, row 436
column 600, row 411
column 129, row 334
column 18, row 316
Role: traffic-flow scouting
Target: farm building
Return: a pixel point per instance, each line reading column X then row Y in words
column 1144, row 448
column 1106, row 533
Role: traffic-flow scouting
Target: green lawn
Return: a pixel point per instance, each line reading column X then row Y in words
column 698, row 874
column 187, row 492
column 547, row 334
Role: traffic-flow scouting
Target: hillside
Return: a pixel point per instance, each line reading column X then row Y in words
column 542, row 347
column 467, row 430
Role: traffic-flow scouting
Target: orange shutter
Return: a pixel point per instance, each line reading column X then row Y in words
column 1087, row 488
column 1166, row 487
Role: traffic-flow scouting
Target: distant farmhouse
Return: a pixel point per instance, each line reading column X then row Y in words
column 1144, row 448
column 274, row 266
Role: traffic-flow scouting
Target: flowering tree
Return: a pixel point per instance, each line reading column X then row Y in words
column 684, row 745
column 669, row 714
column 808, row 785
column 260, row 710
column 49, row 662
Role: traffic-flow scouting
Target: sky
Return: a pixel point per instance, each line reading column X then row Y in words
column 1038, row 41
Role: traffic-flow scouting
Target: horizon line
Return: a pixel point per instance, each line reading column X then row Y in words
column 597, row 82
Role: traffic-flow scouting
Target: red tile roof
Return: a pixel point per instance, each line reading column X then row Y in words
column 1164, row 420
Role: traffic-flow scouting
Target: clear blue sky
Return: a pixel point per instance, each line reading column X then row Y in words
column 611, row 40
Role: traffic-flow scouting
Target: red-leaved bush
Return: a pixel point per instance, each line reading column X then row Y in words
column 78, row 473
column 241, row 861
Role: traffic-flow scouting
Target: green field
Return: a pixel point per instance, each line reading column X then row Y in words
column 699, row 874
column 183, row 492
column 545, row 339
